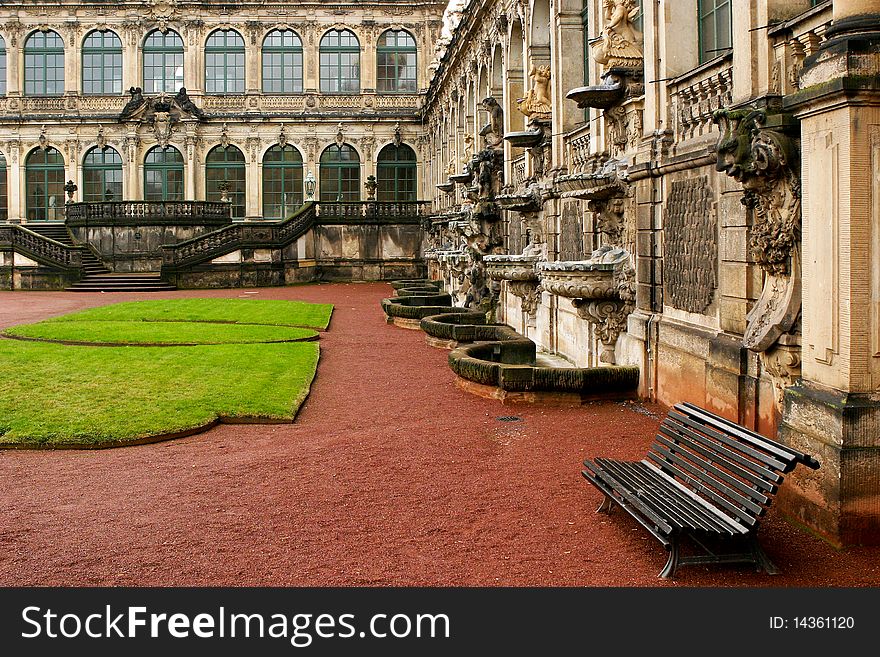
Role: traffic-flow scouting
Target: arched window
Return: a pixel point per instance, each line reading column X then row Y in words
column 340, row 174
column 163, row 62
column 715, row 28
column 4, row 199
column 396, row 62
column 2, row 67
column 224, row 63
column 226, row 165
column 282, row 182
column 102, row 63
column 44, row 64
column 396, row 173
column 44, row 183
column 102, row 175
column 340, row 62
column 282, row 63
column 163, row 174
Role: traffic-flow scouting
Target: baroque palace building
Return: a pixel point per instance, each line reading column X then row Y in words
column 91, row 92
column 688, row 186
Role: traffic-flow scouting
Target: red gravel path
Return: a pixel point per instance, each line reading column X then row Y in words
column 390, row 476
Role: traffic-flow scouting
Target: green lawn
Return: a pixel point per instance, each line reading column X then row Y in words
column 238, row 311
column 55, row 395
column 158, row 333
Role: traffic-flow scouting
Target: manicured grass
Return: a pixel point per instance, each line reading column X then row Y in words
column 54, row 395
column 57, row 395
column 158, row 333
column 240, row 311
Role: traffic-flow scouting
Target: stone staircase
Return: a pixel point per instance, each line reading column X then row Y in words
column 96, row 277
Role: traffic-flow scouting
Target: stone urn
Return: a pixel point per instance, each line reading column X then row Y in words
column 599, row 288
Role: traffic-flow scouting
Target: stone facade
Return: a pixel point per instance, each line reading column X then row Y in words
column 73, row 119
column 705, row 211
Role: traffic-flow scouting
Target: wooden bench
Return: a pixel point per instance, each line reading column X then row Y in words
column 705, row 478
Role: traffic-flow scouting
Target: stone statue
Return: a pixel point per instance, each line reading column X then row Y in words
column 450, row 166
column 136, row 101
column 468, row 151
column 621, row 42
column 537, row 101
column 494, row 130
column 185, row 103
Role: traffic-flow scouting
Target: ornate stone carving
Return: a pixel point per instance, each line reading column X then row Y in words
column 493, row 131
column 537, row 102
column 690, row 246
column 609, row 218
column 764, row 160
column 621, row 45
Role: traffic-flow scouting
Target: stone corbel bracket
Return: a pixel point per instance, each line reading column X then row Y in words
column 760, row 151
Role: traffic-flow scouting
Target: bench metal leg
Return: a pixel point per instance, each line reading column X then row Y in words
column 606, row 506
column 672, row 563
column 762, row 561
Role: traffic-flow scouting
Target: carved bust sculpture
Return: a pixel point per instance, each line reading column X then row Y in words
column 621, row 42
column 537, row 101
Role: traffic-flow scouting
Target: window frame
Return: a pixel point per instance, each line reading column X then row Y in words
column 382, row 49
column 45, row 169
column 225, row 167
column 296, row 64
column 226, row 51
column 164, row 168
column 396, row 167
column 284, row 168
column 40, row 88
column 102, row 169
column 165, row 51
column 4, row 189
column 336, row 53
column 337, row 167
column 3, row 66
column 705, row 53
column 102, row 52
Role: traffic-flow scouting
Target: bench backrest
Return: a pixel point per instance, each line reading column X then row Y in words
column 736, row 469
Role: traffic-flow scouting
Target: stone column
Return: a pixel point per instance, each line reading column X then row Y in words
column 15, row 169
column 834, row 412
column 568, row 73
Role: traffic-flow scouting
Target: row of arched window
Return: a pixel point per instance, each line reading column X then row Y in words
column 164, row 173
column 163, row 62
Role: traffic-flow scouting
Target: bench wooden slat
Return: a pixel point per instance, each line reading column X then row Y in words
column 751, row 436
column 706, row 479
column 674, row 472
column 768, row 461
column 736, row 525
column 693, row 515
column 731, row 460
column 621, row 491
column 644, row 522
column 677, row 446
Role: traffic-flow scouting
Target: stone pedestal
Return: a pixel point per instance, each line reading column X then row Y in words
column 835, row 413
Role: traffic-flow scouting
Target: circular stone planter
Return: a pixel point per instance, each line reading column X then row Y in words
column 449, row 330
column 414, row 282
column 507, row 370
column 417, row 291
column 407, row 312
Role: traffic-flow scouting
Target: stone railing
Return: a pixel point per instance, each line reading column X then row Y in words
column 793, row 41
column 122, row 213
column 278, row 234
column 108, row 104
column 696, row 95
column 225, row 102
column 240, row 235
column 39, row 248
column 577, row 149
column 367, row 211
column 398, row 102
